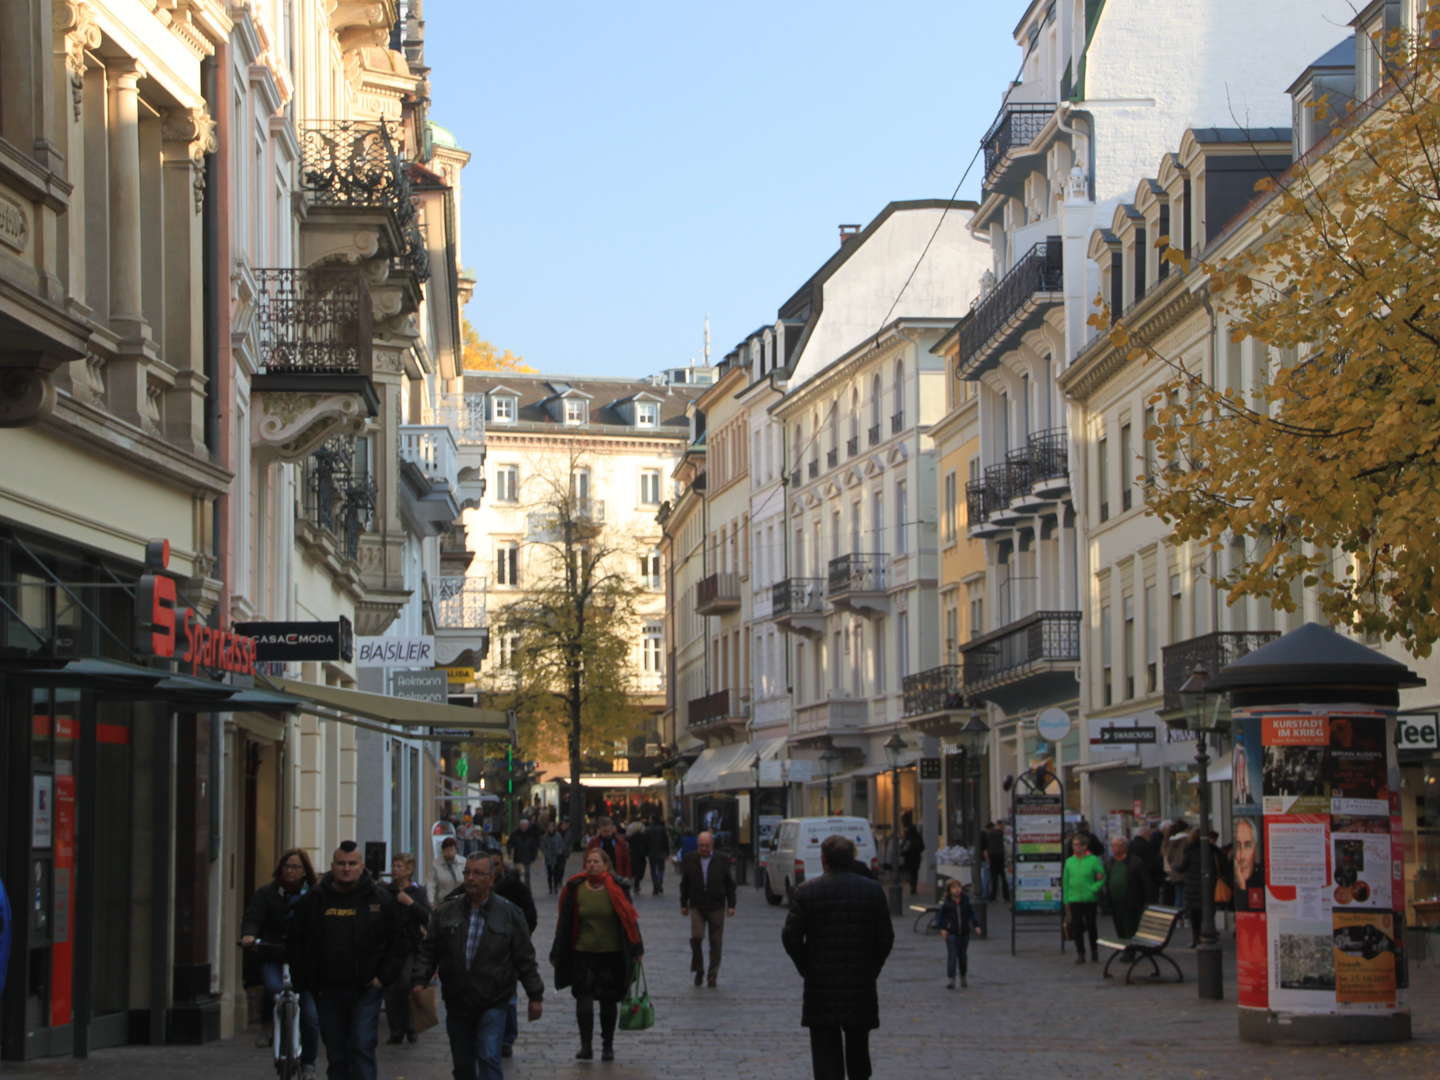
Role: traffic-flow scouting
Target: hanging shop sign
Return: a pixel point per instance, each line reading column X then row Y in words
column 284, row 641
column 167, row 631
column 1417, row 732
column 395, row 652
column 459, row 675
column 429, row 686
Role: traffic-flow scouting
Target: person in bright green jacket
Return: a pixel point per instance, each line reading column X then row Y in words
column 1084, row 878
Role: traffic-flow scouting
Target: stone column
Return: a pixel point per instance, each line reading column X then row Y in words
column 128, row 382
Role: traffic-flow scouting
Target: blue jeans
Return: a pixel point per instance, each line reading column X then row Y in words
column 350, row 1026
column 475, row 1043
column 1180, row 895
column 957, row 947
column 985, row 880
column 657, row 872
column 512, row 1021
column 274, row 980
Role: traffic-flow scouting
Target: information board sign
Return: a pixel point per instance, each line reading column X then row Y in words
column 1037, row 824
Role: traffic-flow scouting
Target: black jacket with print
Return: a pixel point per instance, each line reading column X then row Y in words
column 343, row 940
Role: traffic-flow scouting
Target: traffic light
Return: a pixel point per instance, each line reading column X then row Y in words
column 462, row 765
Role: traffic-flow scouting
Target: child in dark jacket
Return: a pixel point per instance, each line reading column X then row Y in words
column 956, row 919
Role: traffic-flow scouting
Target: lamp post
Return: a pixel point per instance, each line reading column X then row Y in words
column 1200, row 714
column 828, row 759
column 893, row 746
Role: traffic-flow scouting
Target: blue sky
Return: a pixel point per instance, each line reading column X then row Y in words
column 639, row 165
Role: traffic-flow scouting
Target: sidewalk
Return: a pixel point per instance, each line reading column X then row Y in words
column 1037, row 1013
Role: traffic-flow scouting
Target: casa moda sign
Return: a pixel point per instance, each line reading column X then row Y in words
column 169, row 632
column 282, row 641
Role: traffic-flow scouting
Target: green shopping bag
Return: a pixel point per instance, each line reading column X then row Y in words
column 637, row 1012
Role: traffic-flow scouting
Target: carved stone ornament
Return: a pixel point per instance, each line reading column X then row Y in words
column 196, row 129
column 288, row 426
column 1077, row 186
column 26, row 394
column 76, row 24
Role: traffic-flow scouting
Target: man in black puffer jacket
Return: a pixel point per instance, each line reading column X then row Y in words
column 838, row 934
column 346, row 943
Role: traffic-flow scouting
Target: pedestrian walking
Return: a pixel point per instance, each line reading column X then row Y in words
column 838, row 934
column 510, row 885
column 1083, row 878
column 657, row 850
column 480, row 945
column 597, row 944
column 1126, row 885
column 635, row 837
column 956, row 919
column 415, row 917
column 1139, row 849
column 555, row 850
column 995, row 856
column 912, row 848
column 616, row 849
column 266, row 920
column 447, row 873
column 523, row 845
column 707, row 897
column 346, row 944
column 1177, row 839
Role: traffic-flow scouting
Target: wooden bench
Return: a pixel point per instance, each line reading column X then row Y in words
column 1152, row 937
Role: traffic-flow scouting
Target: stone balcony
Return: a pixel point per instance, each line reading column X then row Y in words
column 718, row 594
column 857, row 583
column 798, row 605
column 461, row 618
column 715, row 714
column 838, row 720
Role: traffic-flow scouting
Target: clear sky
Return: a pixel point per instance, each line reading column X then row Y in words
column 638, row 165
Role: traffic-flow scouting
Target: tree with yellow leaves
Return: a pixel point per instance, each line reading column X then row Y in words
column 1328, row 469
column 477, row 354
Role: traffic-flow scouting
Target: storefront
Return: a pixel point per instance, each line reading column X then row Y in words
column 1417, row 740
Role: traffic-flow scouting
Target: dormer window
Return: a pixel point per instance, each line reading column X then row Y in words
column 502, row 409
column 647, row 414
column 577, row 411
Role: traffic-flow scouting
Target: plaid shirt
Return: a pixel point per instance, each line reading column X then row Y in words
column 472, row 935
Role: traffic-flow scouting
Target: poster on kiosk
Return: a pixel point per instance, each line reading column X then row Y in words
column 1318, row 861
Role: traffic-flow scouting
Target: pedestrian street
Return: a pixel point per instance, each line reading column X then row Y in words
column 1037, row 1014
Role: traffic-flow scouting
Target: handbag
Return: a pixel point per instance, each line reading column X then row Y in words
column 423, row 1013
column 637, row 1012
column 1223, row 893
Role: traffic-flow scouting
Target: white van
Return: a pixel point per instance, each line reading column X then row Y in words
column 794, row 854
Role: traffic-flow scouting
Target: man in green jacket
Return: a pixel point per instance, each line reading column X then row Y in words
column 1082, row 881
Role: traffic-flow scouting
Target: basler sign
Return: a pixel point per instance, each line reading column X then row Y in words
column 165, row 628
column 395, row 652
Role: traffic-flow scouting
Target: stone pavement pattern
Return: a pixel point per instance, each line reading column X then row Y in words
column 1036, row 1014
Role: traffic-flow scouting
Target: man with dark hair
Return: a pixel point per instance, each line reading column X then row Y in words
column 839, row 934
column 346, row 943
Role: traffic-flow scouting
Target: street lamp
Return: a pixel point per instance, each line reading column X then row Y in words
column 829, row 759
column 1200, row 712
column 893, row 746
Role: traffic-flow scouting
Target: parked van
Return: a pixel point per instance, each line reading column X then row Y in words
column 794, row 854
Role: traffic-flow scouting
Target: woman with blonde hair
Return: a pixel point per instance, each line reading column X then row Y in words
column 597, row 943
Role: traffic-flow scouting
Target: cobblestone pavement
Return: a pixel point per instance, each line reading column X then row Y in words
column 1034, row 1014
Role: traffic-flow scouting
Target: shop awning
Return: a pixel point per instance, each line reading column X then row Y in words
column 1218, row 771
column 601, row 780
column 704, row 775
column 1130, row 761
column 393, row 710
column 116, row 679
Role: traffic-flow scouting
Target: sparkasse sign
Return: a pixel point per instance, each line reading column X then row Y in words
column 163, row 623
column 388, row 652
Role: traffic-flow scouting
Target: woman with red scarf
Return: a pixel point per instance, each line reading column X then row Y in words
column 597, row 941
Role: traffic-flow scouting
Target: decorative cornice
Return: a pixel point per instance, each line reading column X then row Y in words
column 1158, row 313
column 75, row 22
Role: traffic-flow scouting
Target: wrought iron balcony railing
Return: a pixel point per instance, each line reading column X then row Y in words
column 797, row 596
column 338, row 497
column 897, row 421
column 313, row 322
column 1210, row 651
column 460, row 603
column 852, row 446
column 980, row 502
column 1044, row 637
column 464, row 416
column 813, row 469
column 1039, row 270
column 1049, row 454
column 1016, row 125
column 857, row 573
column 708, row 709
column 717, row 593
column 935, row 690
column 832, row 458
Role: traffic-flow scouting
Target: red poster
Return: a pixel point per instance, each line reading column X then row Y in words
column 1251, row 962
column 62, row 950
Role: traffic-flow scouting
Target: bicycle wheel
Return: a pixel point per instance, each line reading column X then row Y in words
column 287, row 1051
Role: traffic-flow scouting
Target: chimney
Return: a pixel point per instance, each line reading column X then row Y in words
column 848, row 232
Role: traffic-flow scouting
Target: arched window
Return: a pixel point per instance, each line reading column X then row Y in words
column 897, row 420
column 835, row 427
column 875, row 409
column 854, row 420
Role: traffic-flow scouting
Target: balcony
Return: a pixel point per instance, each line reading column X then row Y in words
column 852, row 446
column 1014, row 307
column 583, row 519
column 312, row 332
column 857, row 583
column 337, row 500
column 713, row 715
column 935, row 702
column 824, row 722
column 718, row 594
column 455, row 553
column 981, row 502
column 873, row 435
column 813, row 469
column 460, row 603
column 832, row 458
column 897, row 421
column 1016, row 127
column 465, row 417
column 431, row 494
column 1209, row 651
column 1034, row 658
column 1050, row 463
column 798, row 605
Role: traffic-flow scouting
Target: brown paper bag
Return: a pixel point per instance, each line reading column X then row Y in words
column 424, row 1014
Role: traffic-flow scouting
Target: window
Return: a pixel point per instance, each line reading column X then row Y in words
column 1149, row 442
column 1102, row 476
column 577, row 411
column 654, row 636
column 509, row 651
column 977, row 616
column 951, row 501
column 1127, row 468
column 1151, row 645
column 507, row 562
column 507, row 483
column 952, row 631
column 1107, row 687
column 1127, row 643
column 902, row 511
column 650, row 569
column 649, row 487
column 902, row 644
column 897, row 421
column 580, row 487
column 502, row 411
column 647, row 414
